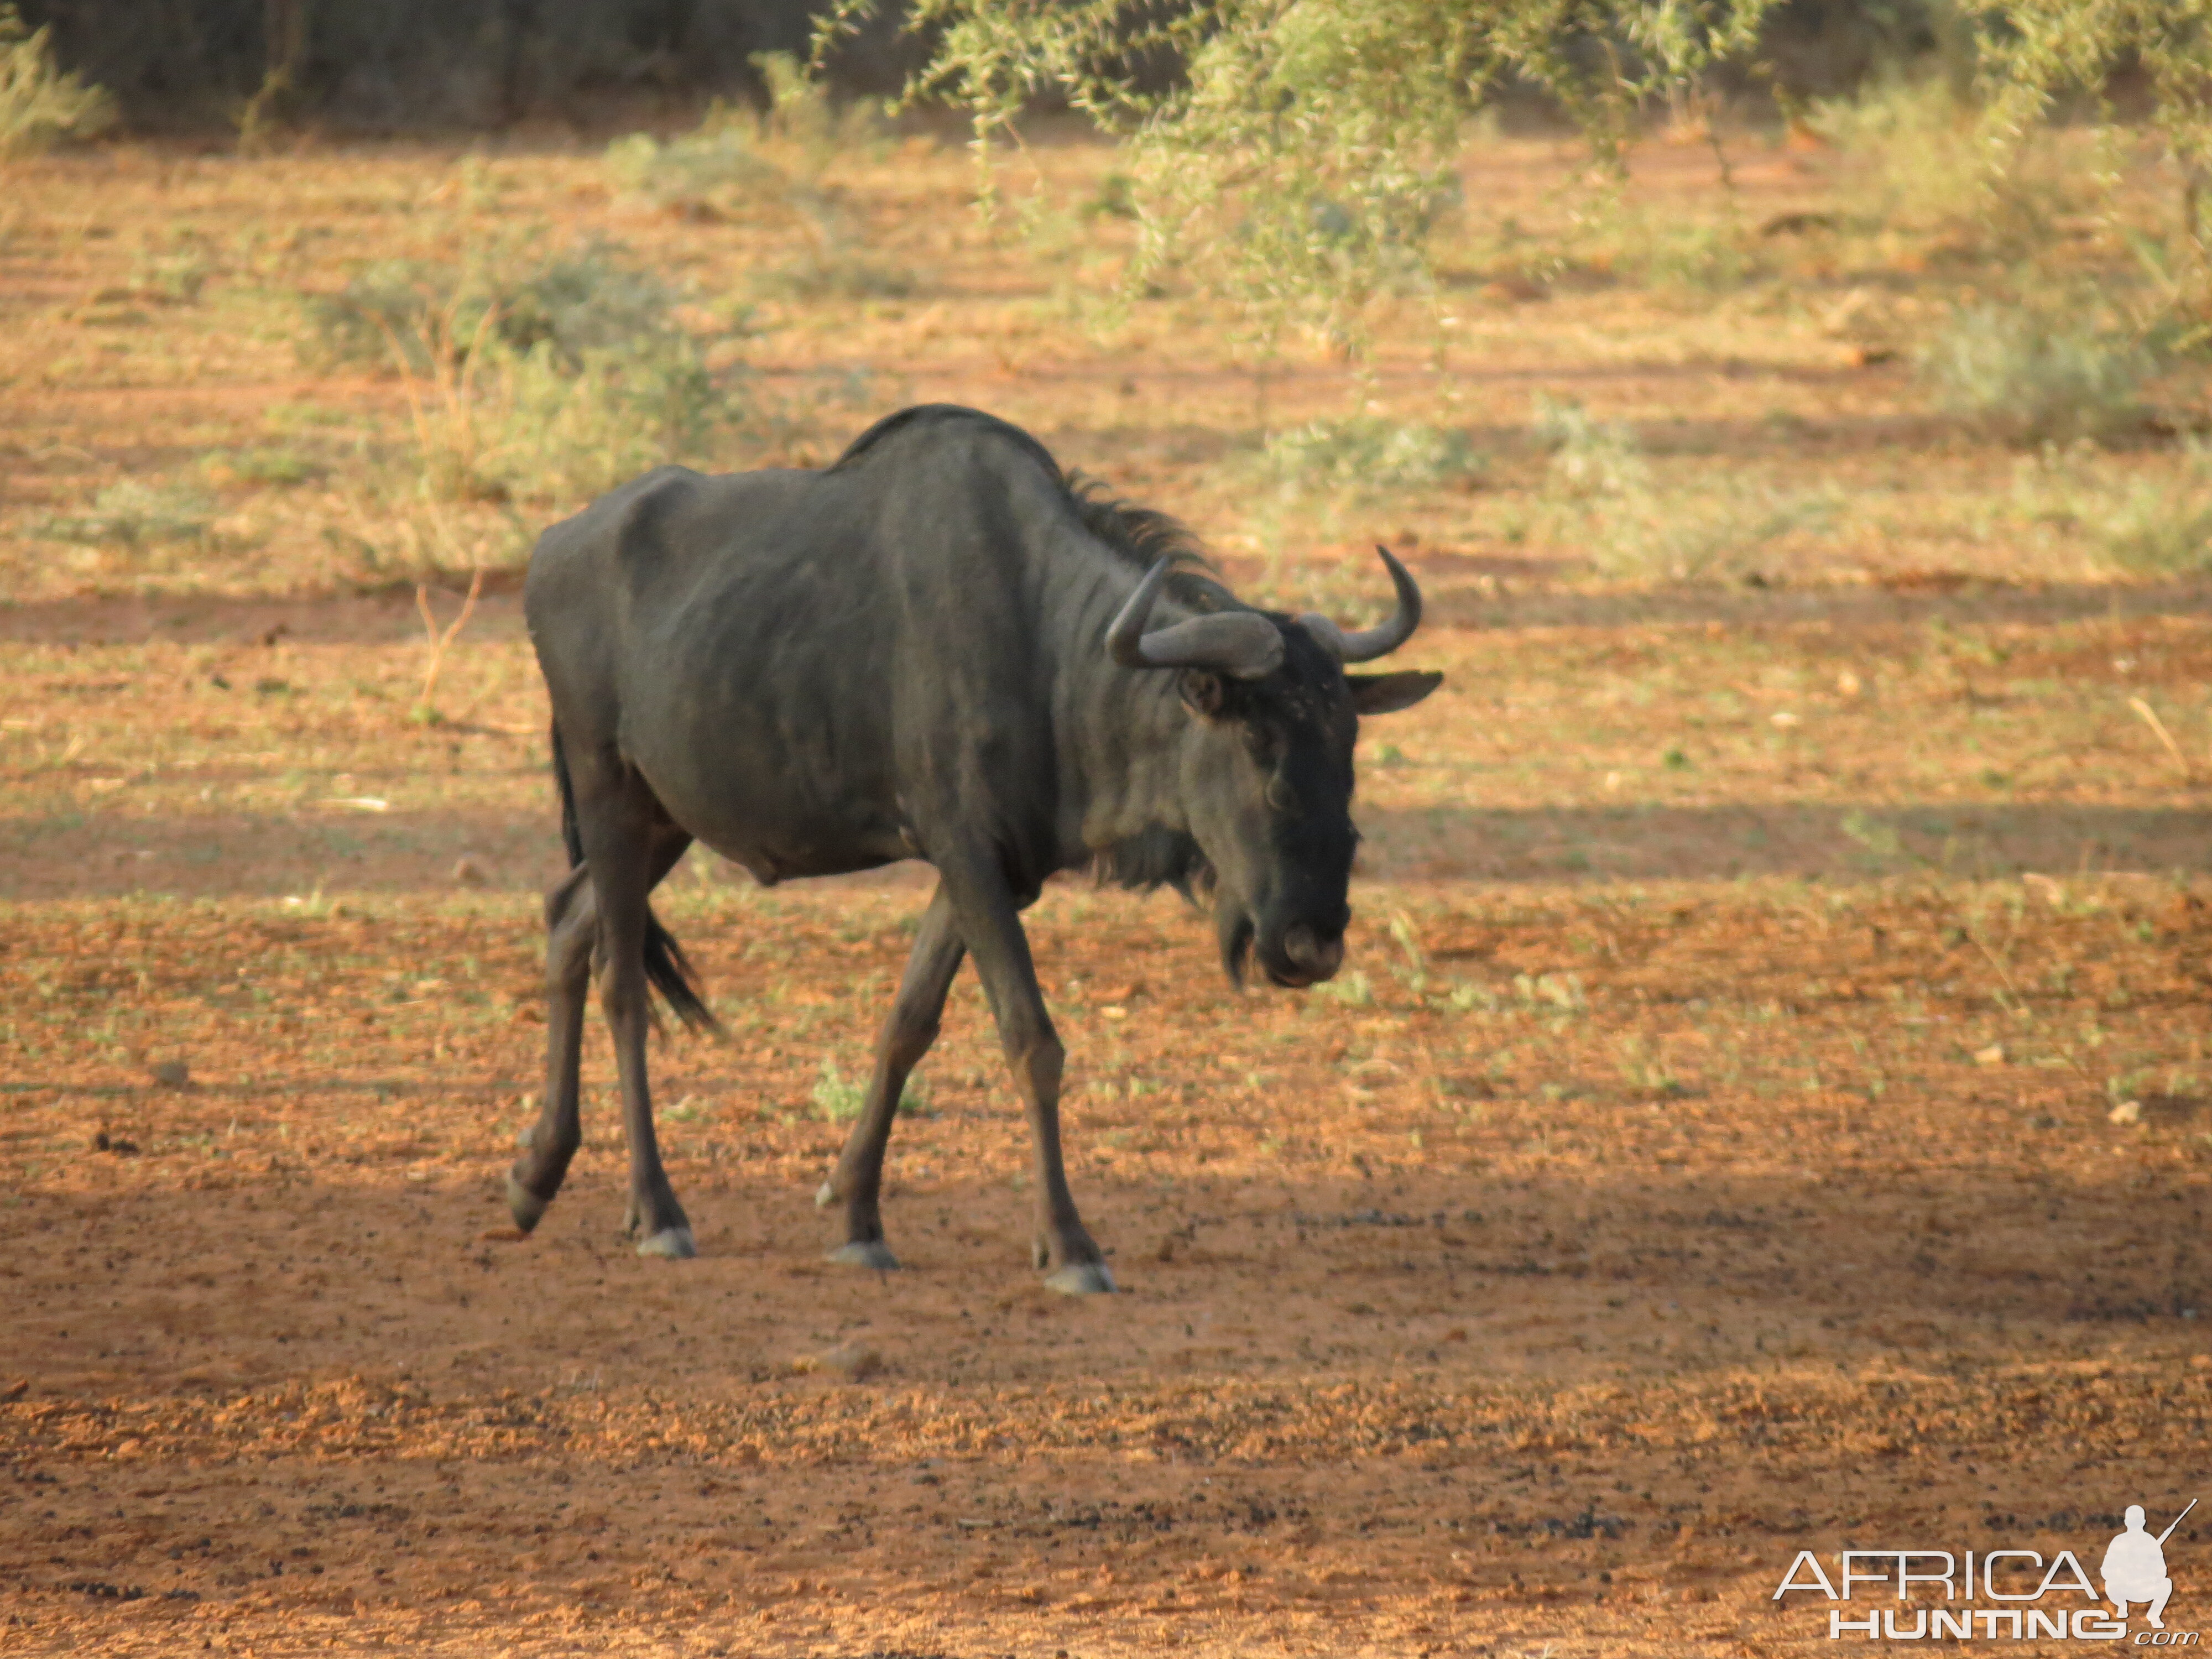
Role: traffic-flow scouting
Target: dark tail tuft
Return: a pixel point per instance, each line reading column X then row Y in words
column 571, row 837
column 667, row 969
column 670, row 975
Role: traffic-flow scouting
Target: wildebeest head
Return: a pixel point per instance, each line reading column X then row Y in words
column 1267, row 771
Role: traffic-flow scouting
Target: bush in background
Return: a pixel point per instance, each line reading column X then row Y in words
column 771, row 167
column 41, row 105
column 544, row 380
column 392, row 312
column 2028, row 377
column 1368, row 455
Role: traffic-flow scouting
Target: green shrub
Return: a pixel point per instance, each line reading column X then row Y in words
column 1369, row 454
column 394, row 312
column 39, row 104
column 802, row 117
column 2027, row 376
column 714, row 173
column 552, row 431
column 546, row 380
column 1303, row 157
column 1916, row 161
column 739, row 162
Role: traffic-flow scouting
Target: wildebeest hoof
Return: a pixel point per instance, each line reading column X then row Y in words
column 1082, row 1279
column 1040, row 1254
column 673, row 1243
column 525, row 1206
column 865, row 1252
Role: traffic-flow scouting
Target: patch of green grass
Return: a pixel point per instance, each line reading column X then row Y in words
column 1670, row 252
column 833, row 269
column 1563, row 992
column 2128, row 518
column 278, row 465
column 1353, row 990
column 1590, row 456
column 177, row 279
column 1717, row 524
column 134, row 512
column 837, row 1101
column 1645, row 1069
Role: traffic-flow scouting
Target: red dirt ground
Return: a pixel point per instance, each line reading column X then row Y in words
column 1766, row 1108
column 1553, row 1299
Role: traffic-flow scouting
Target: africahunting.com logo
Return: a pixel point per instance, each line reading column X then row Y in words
column 2028, row 1595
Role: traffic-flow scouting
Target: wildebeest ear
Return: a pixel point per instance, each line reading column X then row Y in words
column 1203, row 692
column 1386, row 694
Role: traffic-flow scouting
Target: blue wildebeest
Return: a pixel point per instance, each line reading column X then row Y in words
column 939, row 647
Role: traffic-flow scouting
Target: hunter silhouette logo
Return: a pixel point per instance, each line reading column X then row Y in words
column 2135, row 1567
column 2027, row 1593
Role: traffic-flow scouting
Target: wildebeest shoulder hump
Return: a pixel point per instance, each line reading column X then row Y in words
column 1137, row 535
column 922, row 416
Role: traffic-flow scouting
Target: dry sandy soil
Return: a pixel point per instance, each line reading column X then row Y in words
column 1766, row 1107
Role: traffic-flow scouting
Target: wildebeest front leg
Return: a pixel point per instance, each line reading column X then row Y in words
column 908, row 1030
column 991, row 927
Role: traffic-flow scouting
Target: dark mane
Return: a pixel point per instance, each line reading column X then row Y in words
column 1155, row 858
column 1141, row 536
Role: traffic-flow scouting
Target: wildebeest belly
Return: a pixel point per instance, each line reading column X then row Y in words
column 781, row 810
column 780, row 846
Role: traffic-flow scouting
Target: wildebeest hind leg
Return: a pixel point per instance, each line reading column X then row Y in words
column 629, row 841
column 547, row 1145
column 908, row 1030
column 992, row 926
column 571, row 920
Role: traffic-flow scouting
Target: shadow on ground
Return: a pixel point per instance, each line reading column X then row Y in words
column 291, row 856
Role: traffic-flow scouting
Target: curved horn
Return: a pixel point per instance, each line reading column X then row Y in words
column 1241, row 643
column 1378, row 641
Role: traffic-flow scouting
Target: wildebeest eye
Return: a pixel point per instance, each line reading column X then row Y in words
column 1279, row 795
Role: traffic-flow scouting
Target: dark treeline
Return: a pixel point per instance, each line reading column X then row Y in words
column 388, row 65
column 391, row 65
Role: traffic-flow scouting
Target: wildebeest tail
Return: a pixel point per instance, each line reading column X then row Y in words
column 571, row 837
column 671, row 975
column 667, row 969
